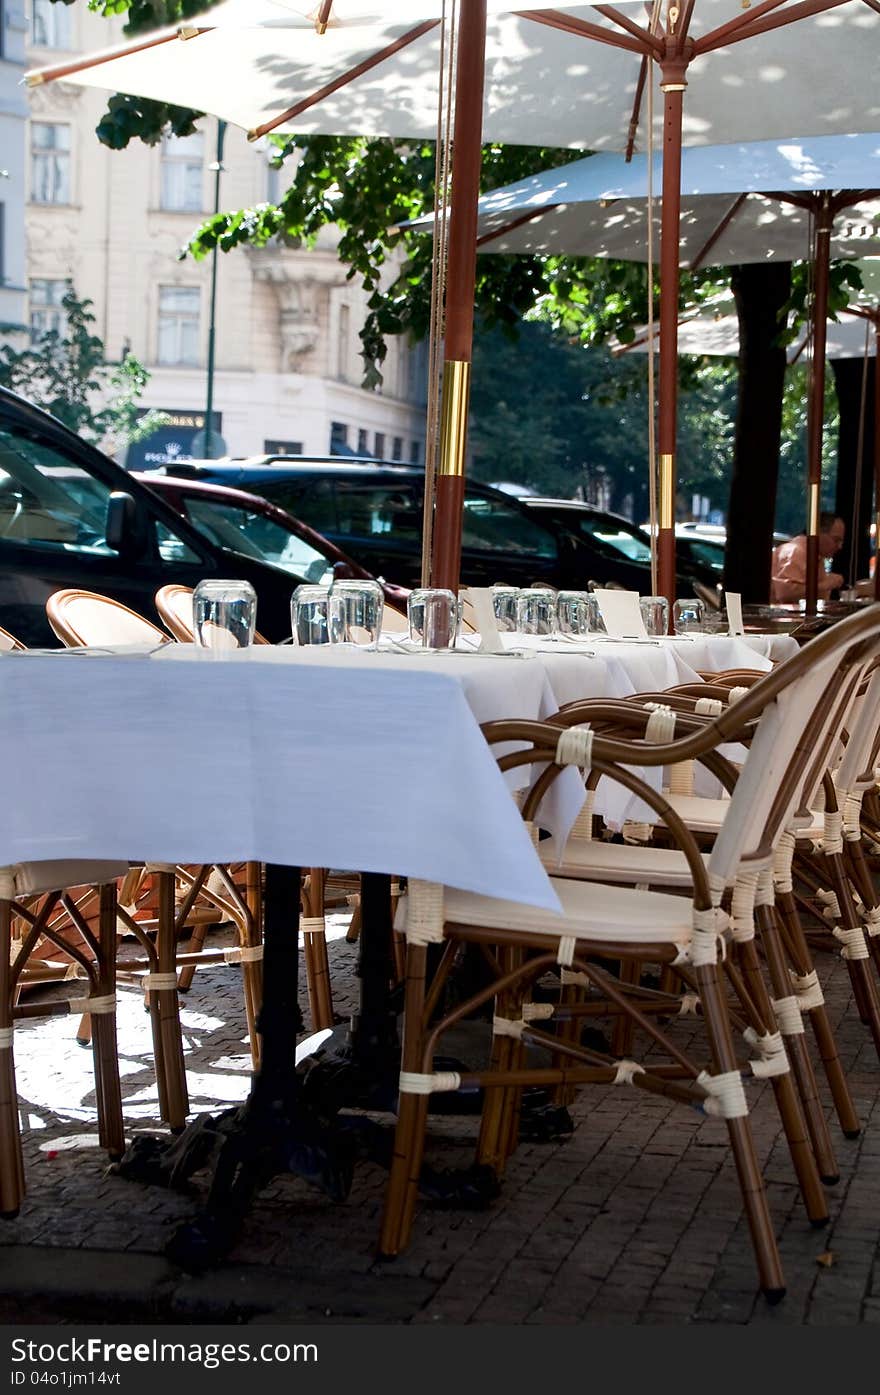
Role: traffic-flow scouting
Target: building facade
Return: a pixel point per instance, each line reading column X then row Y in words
column 112, row 223
column 13, row 144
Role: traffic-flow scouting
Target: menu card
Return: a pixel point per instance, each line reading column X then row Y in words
column 621, row 614
column 480, row 598
column 734, row 612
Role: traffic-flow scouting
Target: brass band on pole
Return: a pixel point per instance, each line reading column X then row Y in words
column 667, row 491
column 813, row 510
column 454, row 416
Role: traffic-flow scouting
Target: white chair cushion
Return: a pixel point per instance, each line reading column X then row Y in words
column 591, row 911
column 35, row 878
column 616, row 862
column 707, row 815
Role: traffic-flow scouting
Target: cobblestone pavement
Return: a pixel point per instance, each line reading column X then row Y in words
column 636, row 1218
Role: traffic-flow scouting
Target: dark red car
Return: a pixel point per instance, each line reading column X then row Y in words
column 241, row 522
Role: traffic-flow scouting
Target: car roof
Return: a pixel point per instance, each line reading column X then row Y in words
column 275, row 466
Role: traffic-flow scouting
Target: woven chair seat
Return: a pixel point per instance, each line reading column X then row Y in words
column 616, row 862
column 591, row 911
column 35, row 878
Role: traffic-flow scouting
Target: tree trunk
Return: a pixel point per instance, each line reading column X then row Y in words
column 855, row 468
column 760, row 292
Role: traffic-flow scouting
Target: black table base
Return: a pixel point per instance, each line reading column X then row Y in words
column 292, row 1120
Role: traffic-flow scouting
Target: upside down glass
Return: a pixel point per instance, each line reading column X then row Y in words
column 355, row 613
column 577, row 613
column 433, row 617
column 687, row 616
column 224, row 615
column 310, row 615
column 655, row 613
column 504, row 604
column 536, row 611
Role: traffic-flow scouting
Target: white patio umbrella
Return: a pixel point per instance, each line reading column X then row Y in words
column 567, row 75
column 820, row 200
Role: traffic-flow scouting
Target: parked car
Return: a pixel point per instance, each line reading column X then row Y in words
column 70, row 516
column 245, row 523
column 374, row 512
column 617, row 536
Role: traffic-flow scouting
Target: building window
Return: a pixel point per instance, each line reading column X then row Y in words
column 397, row 448
column 338, row 438
column 47, row 312
column 181, row 173
column 379, row 447
column 178, row 325
column 283, row 447
column 50, row 162
column 415, row 453
column 50, row 25
column 363, row 444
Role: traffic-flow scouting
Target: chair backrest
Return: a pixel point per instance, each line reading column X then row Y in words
column 174, row 604
column 84, row 617
column 8, row 642
column 797, row 731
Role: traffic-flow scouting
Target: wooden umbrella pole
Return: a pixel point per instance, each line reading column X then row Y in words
column 821, row 262
column 673, row 85
column 875, row 321
column 460, row 281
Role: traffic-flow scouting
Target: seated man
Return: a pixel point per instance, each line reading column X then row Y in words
column 788, row 576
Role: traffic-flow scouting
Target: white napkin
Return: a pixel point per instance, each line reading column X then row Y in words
column 734, row 612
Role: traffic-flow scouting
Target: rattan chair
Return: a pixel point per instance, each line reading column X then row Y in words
column 174, row 604
column 631, row 925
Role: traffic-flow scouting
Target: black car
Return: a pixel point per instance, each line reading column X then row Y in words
column 616, row 535
column 70, row 516
column 374, row 512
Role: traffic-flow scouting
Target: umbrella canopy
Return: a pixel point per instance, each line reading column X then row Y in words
column 259, row 63
column 716, row 335
column 571, row 75
column 596, row 207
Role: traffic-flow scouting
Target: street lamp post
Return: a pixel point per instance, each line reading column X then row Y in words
column 217, row 167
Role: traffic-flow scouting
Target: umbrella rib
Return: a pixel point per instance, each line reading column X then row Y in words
column 873, row 5
column 515, row 223
column 636, row 114
column 344, row 78
column 38, row 76
column 322, row 18
column 624, row 22
column 714, row 236
column 760, row 20
column 554, row 19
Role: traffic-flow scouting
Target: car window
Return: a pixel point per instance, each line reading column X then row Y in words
column 243, row 530
column 172, row 548
column 620, row 539
column 369, row 511
column 704, row 550
column 311, row 500
column 492, row 525
column 49, row 501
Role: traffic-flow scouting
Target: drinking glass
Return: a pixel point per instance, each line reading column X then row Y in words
column 536, row 611
column 687, row 617
column 355, row 610
column 655, row 613
column 224, row 614
column 576, row 613
column 310, row 615
column 433, row 617
column 504, row 603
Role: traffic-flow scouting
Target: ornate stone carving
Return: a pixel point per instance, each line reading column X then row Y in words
column 302, row 283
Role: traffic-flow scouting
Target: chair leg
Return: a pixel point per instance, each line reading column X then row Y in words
column 12, row 1185
column 796, row 1049
column 499, row 1118
column 802, row 1158
column 820, row 1022
column 106, row 1057
column 315, row 945
column 412, row 1116
column 742, row 1144
column 857, row 960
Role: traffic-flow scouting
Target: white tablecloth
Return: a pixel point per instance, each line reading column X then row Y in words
column 309, row 757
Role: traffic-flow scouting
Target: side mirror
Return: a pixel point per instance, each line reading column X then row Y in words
column 126, row 529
